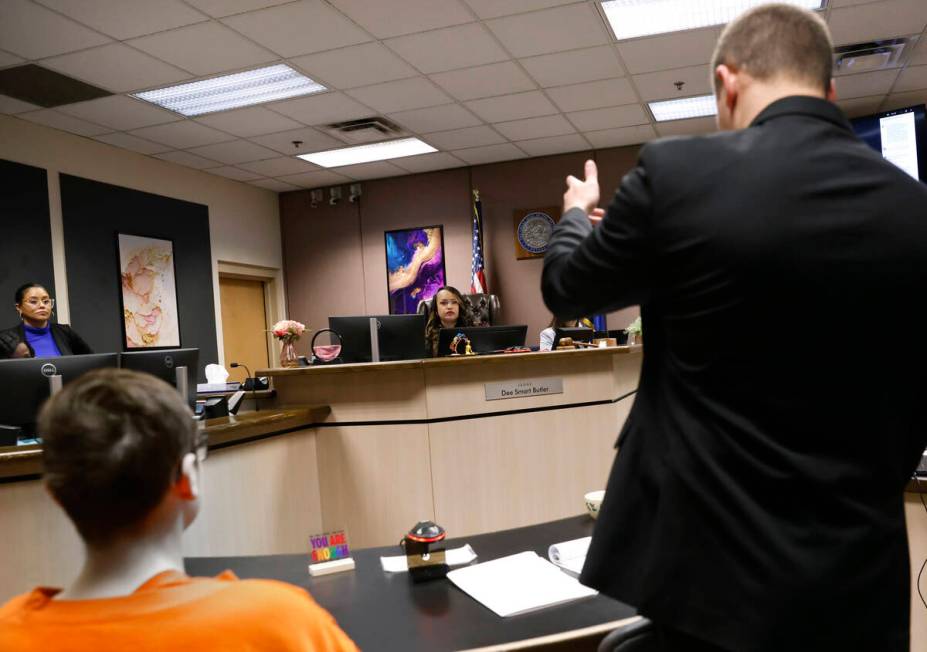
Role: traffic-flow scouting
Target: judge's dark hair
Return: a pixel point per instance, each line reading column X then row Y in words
column 113, row 441
column 433, row 326
column 777, row 40
column 21, row 291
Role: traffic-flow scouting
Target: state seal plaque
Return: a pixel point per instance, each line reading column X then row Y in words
column 533, row 228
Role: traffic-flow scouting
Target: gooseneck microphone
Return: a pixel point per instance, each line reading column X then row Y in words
column 253, row 380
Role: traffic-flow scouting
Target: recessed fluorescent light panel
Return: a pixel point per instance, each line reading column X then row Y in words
column 687, row 107
column 233, row 91
column 632, row 18
column 335, row 158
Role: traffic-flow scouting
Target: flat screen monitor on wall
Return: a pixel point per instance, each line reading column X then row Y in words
column 163, row 364
column 25, row 383
column 900, row 136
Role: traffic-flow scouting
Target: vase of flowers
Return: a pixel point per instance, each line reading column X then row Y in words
column 635, row 332
column 288, row 331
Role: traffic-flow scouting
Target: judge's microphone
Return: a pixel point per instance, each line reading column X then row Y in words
column 253, row 380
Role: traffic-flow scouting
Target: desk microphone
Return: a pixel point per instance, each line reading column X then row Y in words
column 253, row 380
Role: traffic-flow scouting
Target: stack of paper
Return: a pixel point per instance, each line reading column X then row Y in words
column 570, row 555
column 518, row 584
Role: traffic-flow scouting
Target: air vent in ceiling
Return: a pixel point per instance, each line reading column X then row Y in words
column 874, row 55
column 365, row 130
column 37, row 85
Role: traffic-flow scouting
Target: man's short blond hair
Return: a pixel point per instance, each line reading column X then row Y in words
column 777, row 41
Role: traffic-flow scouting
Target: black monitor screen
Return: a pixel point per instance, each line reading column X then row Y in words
column 576, row 334
column 400, row 337
column 900, row 136
column 484, row 339
column 162, row 363
column 24, row 384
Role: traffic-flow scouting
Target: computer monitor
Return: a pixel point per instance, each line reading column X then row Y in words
column 24, row 383
column 400, row 337
column 162, row 363
column 900, row 136
column 578, row 334
column 484, row 339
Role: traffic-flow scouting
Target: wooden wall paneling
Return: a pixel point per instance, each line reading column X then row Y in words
column 916, row 517
column 375, row 481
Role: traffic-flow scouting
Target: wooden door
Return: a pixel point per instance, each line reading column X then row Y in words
column 244, row 325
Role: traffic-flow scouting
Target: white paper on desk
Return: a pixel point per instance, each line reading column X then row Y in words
column 454, row 557
column 518, row 584
column 570, row 555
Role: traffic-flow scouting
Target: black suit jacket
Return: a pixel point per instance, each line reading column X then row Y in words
column 67, row 339
column 756, row 500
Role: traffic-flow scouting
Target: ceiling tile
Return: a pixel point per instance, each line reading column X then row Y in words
column 609, row 118
column 400, row 95
column 315, row 179
column 551, row 125
column 489, row 154
column 661, row 85
column 919, row 56
column 123, row 19
column 495, row 8
column 357, row 65
column 134, row 143
column 554, row 145
column 7, row 59
column 449, row 48
column 574, row 67
column 52, row 118
column 428, row 162
column 250, row 121
column 861, row 105
column 692, row 127
column 220, row 8
column 236, row 151
column 375, row 170
column 204, row 49
column 593, row 95
column 273, row 184
column 621, row 136
column 675, row 50
column 182, row 135
column 298, row 28
column 866, row 83
column 551, row 30
column 120, row 112
column 484, row 81
column 230, row 172
column 877, row 20
column 386, row 19
column 49, row 33
column 322, row 108
column 277, row 167
column 904, row 100
column 459, row 138
column 116, row 67
column 911, row 78
column 187, row 159
column 310, row 139
column 10, row 105
column 512, row 107
column 436, row 118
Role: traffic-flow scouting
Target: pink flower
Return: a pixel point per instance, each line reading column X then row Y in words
column 288, row 330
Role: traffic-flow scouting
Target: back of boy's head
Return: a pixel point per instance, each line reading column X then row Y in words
column 113, row 442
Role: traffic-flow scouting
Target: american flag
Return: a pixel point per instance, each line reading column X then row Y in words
column 477, row 277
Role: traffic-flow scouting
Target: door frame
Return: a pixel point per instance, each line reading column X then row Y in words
column 272, row 282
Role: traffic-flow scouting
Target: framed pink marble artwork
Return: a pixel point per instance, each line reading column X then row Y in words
column 148, row 293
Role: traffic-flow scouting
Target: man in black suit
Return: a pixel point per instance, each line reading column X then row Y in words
column 781, row 269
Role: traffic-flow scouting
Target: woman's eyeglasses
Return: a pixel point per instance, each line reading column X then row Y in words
column 35, row 303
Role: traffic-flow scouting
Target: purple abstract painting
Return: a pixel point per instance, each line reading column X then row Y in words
column 414, row 267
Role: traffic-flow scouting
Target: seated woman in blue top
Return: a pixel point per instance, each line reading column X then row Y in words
column 36, row 336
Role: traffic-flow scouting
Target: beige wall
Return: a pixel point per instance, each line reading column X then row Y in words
column 335, row 257
column 244, row 223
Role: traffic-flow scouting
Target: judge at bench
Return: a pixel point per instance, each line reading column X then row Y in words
column 755, row 502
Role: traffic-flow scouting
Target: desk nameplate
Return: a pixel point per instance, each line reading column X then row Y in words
column 523, row 388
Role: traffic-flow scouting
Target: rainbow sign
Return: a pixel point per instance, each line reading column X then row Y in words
column 328, row 547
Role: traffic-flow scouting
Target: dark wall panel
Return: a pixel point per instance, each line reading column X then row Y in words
column 94, row 213
column 25, row 234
